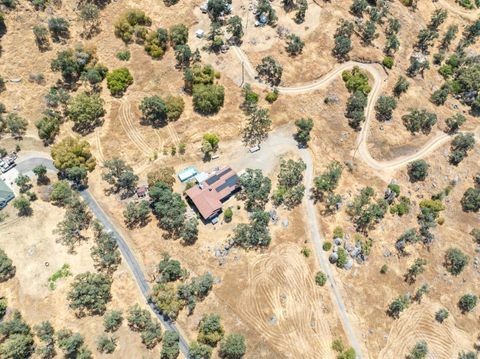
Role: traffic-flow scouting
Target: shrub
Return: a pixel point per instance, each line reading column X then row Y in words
column 233, row 347
column 384, row 269
column 227, row 215
column 455, row 261
column 327, row 246
column 418, row 170
column 7, row 269
column 175, row 106
column 118, row 81
column 208, row 99
column 123, row 55
column 388, row 62
column 129, row 23
column 467, row 302
column 441, row 315
column 320, row 279
column 272, row 96
column 59, row 28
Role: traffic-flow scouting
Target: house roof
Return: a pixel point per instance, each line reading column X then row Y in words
column 6, row 194
column 208, row 195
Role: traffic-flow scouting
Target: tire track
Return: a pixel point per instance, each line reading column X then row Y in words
column 290, row 296
column 132, row 133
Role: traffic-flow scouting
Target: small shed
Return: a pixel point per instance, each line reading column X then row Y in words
column 199, row 33
column 6, row 194
column 187, row 173
column 142, row 191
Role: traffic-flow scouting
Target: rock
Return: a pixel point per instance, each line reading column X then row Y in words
column 349, row 264
column 349, row 247
column 355, row 252
column 285, row 223
column 338, row 241
column 273, row 320
column 335, row 248
column 333, row 257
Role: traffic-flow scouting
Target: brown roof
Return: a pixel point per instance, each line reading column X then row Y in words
column 209, row 195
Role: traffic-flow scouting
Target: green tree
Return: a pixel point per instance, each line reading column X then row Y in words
column 461, row 144
column 45, row 332
column 358, row 7
column 418, row 170
column 112, row 320
column 454, row 123
column 235, row 28
column 294, row 45
column 398, row 305
column 41, row 172
column 175, row 106
column 169, row 208
column 90, row 294
column 257, row 128
column 208, row 99
column 255, row 233
column 441, row 315
column 105, row 254
column 210, row 330
column 401, row 86
column 23, row 206
column 415, row 269
column 467, row 302
column 189, row 232
column 209, row 144
column 455, row 260
column 106, row 344
column 72, row 344
column 255, row 189
column 72, row 152
column 61, row 194
column 327, row 181
column 304, row 127
column 72, row 63
column 384, row 108
column 178, row 35
column 199, row 351
column 16, row 125
column 217, row 8
column 356, row 104
column 129, row 23
column 343, row 43
column 471, row 200
column 137, row 213
column 118, row 81
column 183, row 55
column 270, row 71
column 120, row 176
column 154, row 110
column 23, row 182
column 233, row 346
column 86, row 111
column 419, row 351
column 302, row 7
column 7, row 269
column 170, row 346
column 49, row 126
column 419, row 120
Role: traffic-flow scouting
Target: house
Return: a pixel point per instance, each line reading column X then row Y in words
column 142, row 191
column 208, row 196
column 6, row 194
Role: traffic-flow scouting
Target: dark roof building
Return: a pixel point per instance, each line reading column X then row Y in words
column 6, row 194
column 209, row 195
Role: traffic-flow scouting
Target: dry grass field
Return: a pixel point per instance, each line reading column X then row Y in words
column 269, row 295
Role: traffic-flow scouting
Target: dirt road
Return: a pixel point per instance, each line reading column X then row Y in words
column 26, row 165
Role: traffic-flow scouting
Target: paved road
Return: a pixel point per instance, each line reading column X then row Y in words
column 26, row 165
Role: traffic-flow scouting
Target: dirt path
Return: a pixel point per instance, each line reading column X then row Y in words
column 31, row 160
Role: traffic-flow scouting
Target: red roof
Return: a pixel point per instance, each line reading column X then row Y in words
column 209, row 195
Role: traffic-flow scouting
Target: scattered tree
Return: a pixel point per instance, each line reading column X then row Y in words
column 304, row 127
column 120, row 176
column 418, row 170
column 118, row 81
column 90, row 294
column 270, row 71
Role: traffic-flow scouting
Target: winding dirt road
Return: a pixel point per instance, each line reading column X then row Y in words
column 384, row 167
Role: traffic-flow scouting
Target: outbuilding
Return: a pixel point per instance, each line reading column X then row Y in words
column 6, row 194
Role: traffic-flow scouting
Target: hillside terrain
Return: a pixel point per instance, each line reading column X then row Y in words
column 239, row 179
